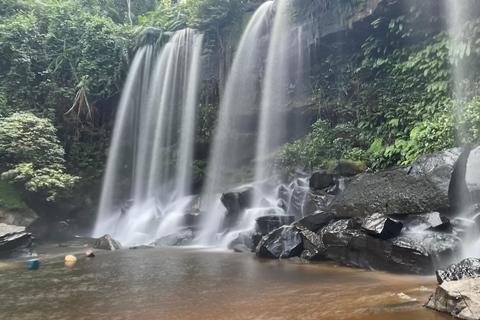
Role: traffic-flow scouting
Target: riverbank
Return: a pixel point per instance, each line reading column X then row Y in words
column 196, row 283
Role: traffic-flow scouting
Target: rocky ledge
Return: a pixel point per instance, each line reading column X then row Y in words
column 14, row 241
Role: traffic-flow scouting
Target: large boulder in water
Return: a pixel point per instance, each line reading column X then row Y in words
column 107, row 243
column 420, row 187
column 419, row 253
column 381, row 226
column 460, row 299
column 321, row 180
column 284, row 242
column 468, row 268
column 14, row 241
column 266, row 224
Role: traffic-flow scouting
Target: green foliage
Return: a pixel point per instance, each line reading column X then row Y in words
column 33, row 155
column 11, row 198
column 399, row 93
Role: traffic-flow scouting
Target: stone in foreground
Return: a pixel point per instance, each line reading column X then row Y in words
column 460, row 299
column 285, row 242
column 107, row 243
column 468, row 268
column 381, row 226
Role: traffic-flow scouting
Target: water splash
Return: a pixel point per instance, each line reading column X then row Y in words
column 151, row 153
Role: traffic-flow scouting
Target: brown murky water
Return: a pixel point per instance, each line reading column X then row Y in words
column 201, row 284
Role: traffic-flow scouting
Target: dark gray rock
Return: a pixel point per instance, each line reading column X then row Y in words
column 420, row 187
column 419, row 253
column 315, row 221
column 313, row 246
column 340, row 186
column 433, row 221
column 346, row 169
column 14, row 241
column 460, row 299
column 468, row 268
column 236, row 201
column 107, row 243
column 283, row 193
column 284, row 242
column 315, row 201
column 268, row 223
column 380, row 226
column 182, row 238
column 321, row 180
column 248, row 239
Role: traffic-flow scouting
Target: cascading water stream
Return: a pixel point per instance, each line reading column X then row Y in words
column 237, row 115
column 272, row 126
column 458, row 13
column 151, row 153
column 252, row 123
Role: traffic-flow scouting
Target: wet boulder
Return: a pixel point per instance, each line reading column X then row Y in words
column 314, row 249
column 284, row 242
column 347, row 169
column 315, row 201
column 266, row 224
column 340, row 186
column 315, row 221
column 14, row 241
column 420, row 187
column 460, row 299
column 432, row 221
column 380, row 226
column 321, row 180
column 249, row 239
column 468, row 268
column 344, row 245
column 418, row 253
column 107, row 243
column 283, row 193
column 182, row 238
column 236, row 201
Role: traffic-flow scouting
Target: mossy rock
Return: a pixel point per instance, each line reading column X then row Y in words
column 348, row 168
column 13, row 209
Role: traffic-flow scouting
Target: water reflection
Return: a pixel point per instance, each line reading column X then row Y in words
column 201, row 284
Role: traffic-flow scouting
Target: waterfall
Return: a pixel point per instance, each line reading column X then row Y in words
column 232, row 144
column 272, row 127
column 252, row 120
column 151, row 154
